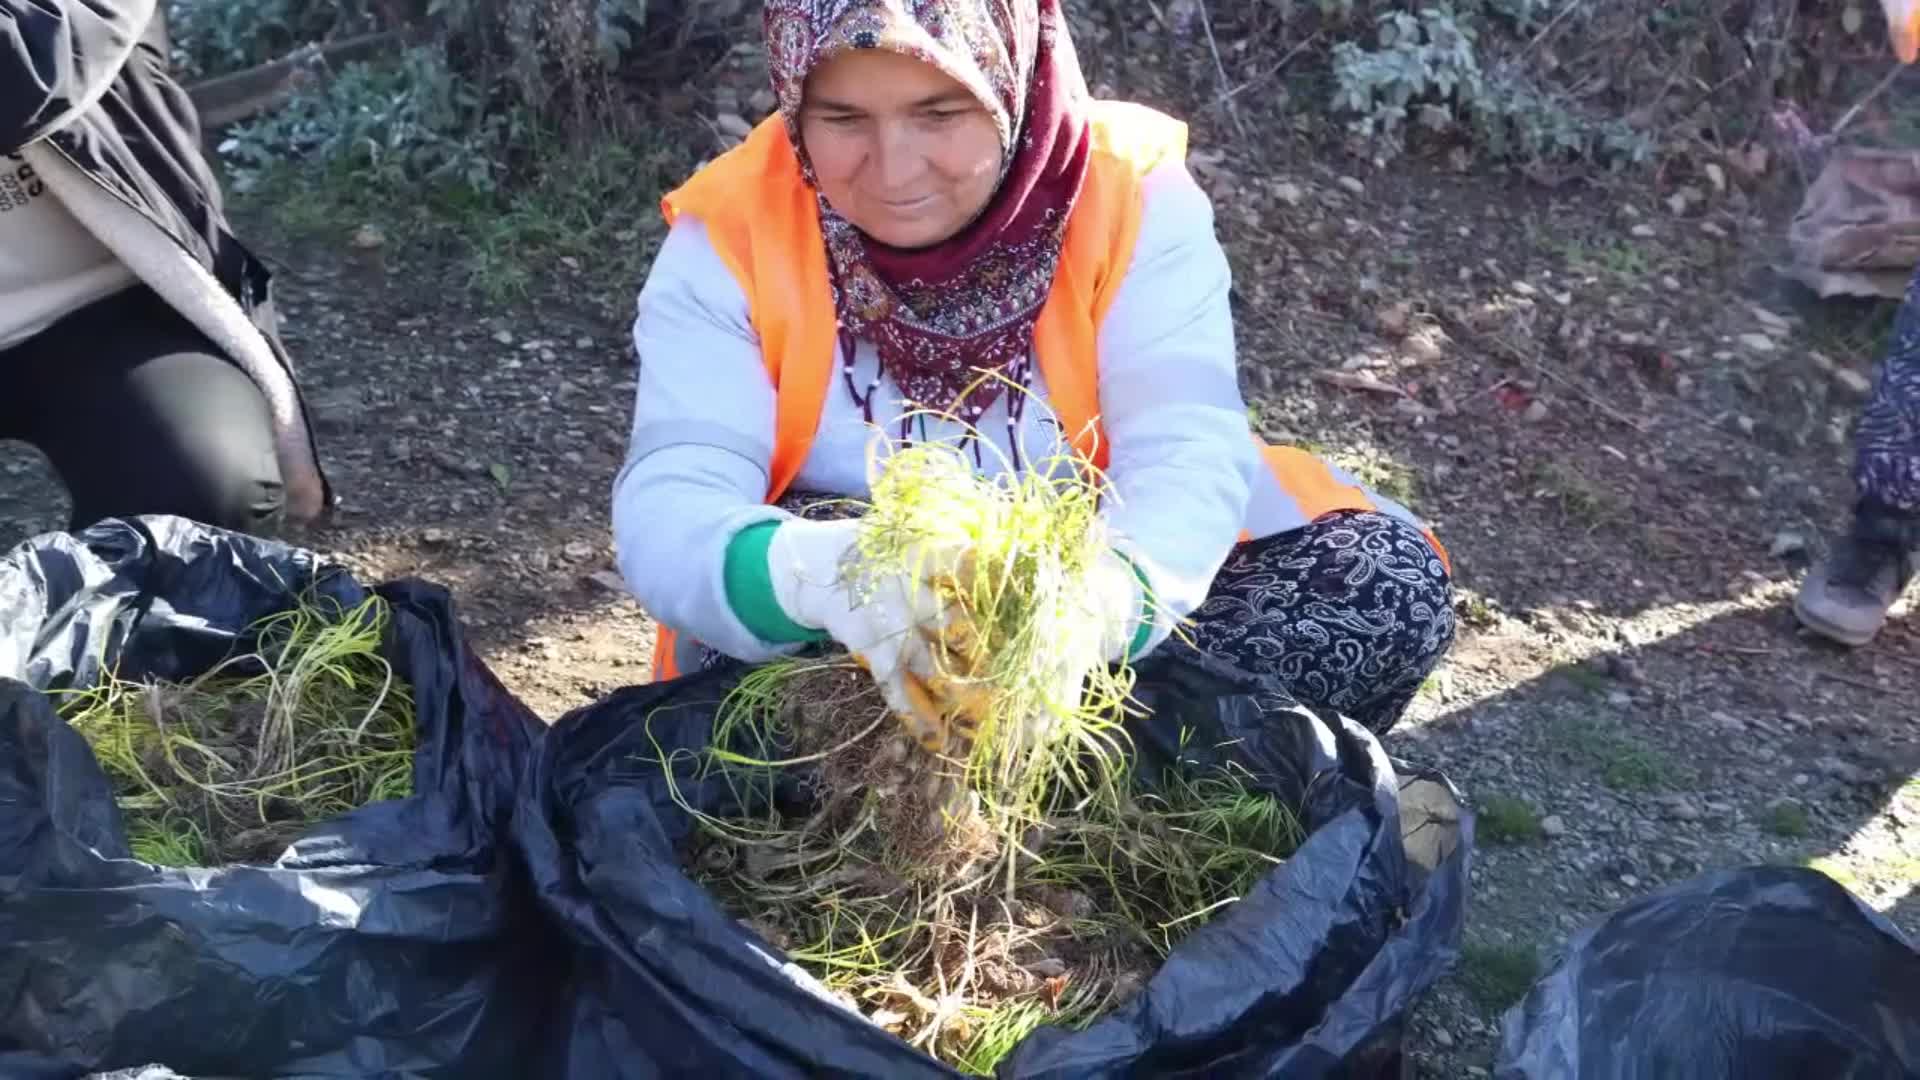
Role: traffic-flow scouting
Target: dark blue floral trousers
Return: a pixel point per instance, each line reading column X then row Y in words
column 1886, row 468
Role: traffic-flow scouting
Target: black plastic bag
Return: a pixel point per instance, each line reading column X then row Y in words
column 1309, row 975
column 392, row 940
column 1764, row 973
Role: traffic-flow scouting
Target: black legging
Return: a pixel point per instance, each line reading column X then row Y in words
column 140, row 414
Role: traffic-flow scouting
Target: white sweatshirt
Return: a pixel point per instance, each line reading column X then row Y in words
column 1182, row 460
column 50, row 266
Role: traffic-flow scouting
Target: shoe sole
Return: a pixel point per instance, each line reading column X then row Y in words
column 1850, row 638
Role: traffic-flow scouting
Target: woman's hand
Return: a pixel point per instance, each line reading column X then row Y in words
column 1116, row 603
column 951, row 708
column 889, row 622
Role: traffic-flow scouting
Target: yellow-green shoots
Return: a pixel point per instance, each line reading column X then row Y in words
column 308, row 724
column 964, row 950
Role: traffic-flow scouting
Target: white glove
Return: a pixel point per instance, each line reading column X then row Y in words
column 882, row 619
column 1116, row 603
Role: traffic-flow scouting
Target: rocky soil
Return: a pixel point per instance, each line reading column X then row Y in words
column 1630, row 434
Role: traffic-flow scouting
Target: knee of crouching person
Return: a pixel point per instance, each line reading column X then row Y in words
column 1417, row 590
column 247, row 500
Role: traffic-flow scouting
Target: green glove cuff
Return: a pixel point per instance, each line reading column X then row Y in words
column 1145, row 633
column 749, row 583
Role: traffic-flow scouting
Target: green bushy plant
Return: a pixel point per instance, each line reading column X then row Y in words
column 392, row 126
column 214, row 37
column 1439, row 68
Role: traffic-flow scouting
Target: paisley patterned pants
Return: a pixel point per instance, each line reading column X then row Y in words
column 1886, row 467
column 1350, row 613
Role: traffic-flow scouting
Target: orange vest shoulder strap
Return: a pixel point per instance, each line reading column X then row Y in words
column 762, row 220
column 1128, row 142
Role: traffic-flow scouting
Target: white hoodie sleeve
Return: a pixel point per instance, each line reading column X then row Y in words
column 698, row 458
column 1182, row 459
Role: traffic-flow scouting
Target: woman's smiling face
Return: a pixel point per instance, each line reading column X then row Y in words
column 899, row 148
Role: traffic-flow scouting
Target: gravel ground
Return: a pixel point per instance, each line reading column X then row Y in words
column 1631, row 439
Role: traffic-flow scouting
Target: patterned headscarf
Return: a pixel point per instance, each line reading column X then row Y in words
column 941, row 316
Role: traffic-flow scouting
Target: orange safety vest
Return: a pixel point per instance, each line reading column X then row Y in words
column 762, row 220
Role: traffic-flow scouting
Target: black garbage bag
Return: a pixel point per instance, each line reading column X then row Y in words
column 1309, row 975
column 393, row 940
column 1762, row 973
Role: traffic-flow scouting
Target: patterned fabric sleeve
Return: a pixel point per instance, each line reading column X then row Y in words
column 1887, row 441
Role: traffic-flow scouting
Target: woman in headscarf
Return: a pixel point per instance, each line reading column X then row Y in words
column 938, row 198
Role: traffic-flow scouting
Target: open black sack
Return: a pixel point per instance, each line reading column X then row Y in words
column 1761, row 973
column 392, row 940
column 1309, row 975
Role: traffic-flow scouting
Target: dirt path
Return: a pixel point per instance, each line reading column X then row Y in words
column 1610, row 414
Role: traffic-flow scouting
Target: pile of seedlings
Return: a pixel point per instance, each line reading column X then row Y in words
column 229, row 767
column 964, row 877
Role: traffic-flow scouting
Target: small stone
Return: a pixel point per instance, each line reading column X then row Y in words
column 1759, row 343
column 1620, row 699
column 1787, row 542
column 1854, row 382
column 1731, row 723
column 1772, row 323
column 1630, row 881
column 1536, row 411
column 1554, row 826
column 578, row 550
column 1842, row 770
column 1623, row 668
column 1443, row 1038
column 1746, row 424
column 1645, row 232
column 733, row 125
column 1289, row 192
column 608, row 580
column 435, row 537
column 368, row 237
column 1682, row 809
column 1801, row 779
column 504, row 337
column 1394, row 318
column 1352, row 186
column 1716, row 176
